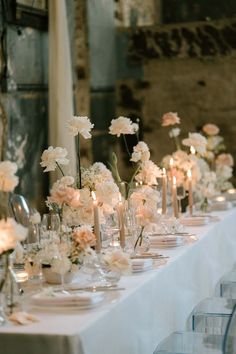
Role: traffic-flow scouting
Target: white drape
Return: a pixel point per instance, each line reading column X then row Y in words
column 60, row 81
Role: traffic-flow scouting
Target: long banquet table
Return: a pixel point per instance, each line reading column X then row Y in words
column 154, row 303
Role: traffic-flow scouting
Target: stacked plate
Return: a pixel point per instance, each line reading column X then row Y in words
column 195, row 220
column 166, row 241
column 66, row 300
column 141, row 265
column 221, row 206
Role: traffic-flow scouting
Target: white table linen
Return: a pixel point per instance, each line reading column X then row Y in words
column 154, row 304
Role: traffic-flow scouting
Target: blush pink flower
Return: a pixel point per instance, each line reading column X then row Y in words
column 67, row 195
column 170, row 118
column 84, row 236
column 211, row 129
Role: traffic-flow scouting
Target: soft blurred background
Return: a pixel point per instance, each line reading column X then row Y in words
column 137, row 58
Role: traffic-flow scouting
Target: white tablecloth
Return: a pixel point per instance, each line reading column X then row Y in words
column 154, row 303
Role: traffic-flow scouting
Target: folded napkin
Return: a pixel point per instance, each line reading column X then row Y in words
column 195, row 220
column 225, row 205
column 22, row 318
column 142, row 263
column 66, row 299
column 166, row 239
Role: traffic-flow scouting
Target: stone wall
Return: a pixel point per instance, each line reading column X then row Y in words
column 189, row 69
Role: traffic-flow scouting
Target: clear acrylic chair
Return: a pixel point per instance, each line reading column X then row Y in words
column 201, row 343
column 229, row 342
column 190, row 343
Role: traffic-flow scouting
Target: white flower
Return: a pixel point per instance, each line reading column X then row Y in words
column 53, row 156
column 224, row 172
column 145, row 195
column 146, row 215
column 149, row 173
column 173, row 133
column 107, row 194
column 80, row 125
column 213, row 142
column 10, row 233
column 8, row 180
column 170, row 119
column 97, row 173
column 211, row 129
column 198, row 141
column 61, row 265
column 225, row 159
column 141, row 152
column 117, row 260
column 122, row 125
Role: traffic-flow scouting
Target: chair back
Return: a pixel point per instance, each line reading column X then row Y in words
column 229, row 343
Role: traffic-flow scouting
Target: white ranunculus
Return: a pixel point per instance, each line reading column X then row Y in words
column 170, row 118
column 148, row 173
column 8, row 180
column 10, row 234
column 141, row 152
column 197, row 140
column 52, row 156
column 173, row 133
column 122, row 125
column 80, row 125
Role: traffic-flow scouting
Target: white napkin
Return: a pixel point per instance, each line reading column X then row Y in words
column 195, row 221
column 22, row 318
column 140, row 263
column 221, row 205
column 166, row 239
column 62, row 299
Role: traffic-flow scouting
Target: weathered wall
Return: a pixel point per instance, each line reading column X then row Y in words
column 24, row 98
column 184, row 68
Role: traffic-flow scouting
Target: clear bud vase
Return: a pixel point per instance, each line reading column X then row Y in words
column 204, row 205
column 9, row 291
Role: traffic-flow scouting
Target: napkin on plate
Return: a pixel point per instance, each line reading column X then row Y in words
column 67, row 299
column 140, row 263
column 22, row 318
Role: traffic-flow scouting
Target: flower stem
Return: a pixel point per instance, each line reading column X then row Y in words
column 126, row 145
column 5, row 272
column 60, row 169
column 139, row 239
column 78, row 161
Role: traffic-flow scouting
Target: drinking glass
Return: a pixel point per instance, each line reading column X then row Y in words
column 50, row 227
column 110, row 229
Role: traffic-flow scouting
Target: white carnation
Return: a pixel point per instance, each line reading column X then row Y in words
column 170, row 118
column 141, row 152
column 149, row 173
column 80, row 125
column 198, row 141
column 53, row 156
column 122, row 125
column 8, row 180
column 10, row 234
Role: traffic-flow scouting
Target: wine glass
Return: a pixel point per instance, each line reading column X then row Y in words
column 110, row 228
column 180, row 190
column 50, row 226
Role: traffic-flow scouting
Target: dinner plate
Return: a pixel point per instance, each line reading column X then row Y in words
column 139, row 270
column 195, row 221
column 166, row 241
column 59, row 300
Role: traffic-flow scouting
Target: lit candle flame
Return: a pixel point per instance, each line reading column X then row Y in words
column 189, row 174
column 94, row 196
column 120, row 198
column 192, row 150
column 171, row 162
column 164, row 171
